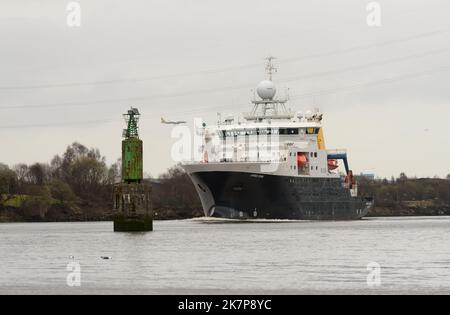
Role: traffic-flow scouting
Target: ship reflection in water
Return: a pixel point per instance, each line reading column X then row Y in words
column 193, row 257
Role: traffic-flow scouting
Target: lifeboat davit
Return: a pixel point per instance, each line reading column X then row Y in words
column 332, row 164
column 301, row 160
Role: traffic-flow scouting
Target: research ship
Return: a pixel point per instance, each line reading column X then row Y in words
column 273, row 164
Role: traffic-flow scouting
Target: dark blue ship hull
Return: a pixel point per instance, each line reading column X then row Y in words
column 239, row 195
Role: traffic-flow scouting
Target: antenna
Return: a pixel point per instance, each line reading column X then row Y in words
column 270, row 68
column 219, row 118
column 132, row 120
column 268, row 107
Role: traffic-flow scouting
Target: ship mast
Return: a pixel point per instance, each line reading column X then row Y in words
column 267, row 106
column 270, row 68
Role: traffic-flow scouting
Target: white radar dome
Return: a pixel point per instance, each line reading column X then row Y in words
column 266, row 90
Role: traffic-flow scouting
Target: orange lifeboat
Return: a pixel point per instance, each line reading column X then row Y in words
column 332, row 164
column 301, row 160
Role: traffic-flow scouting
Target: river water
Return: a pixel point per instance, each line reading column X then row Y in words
column 203, row 256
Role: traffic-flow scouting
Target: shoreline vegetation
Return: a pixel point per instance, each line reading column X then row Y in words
column 77, row 186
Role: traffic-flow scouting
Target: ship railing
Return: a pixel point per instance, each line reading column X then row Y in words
column 253, row 116
column 337, row 151
column 248, row 161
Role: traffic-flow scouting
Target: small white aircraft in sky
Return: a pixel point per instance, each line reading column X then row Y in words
column 171, row 122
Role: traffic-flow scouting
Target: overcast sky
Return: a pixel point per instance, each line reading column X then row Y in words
column 384, row 90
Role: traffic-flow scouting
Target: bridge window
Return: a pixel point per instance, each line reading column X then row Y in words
column 257, row 131
column 288, row 131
